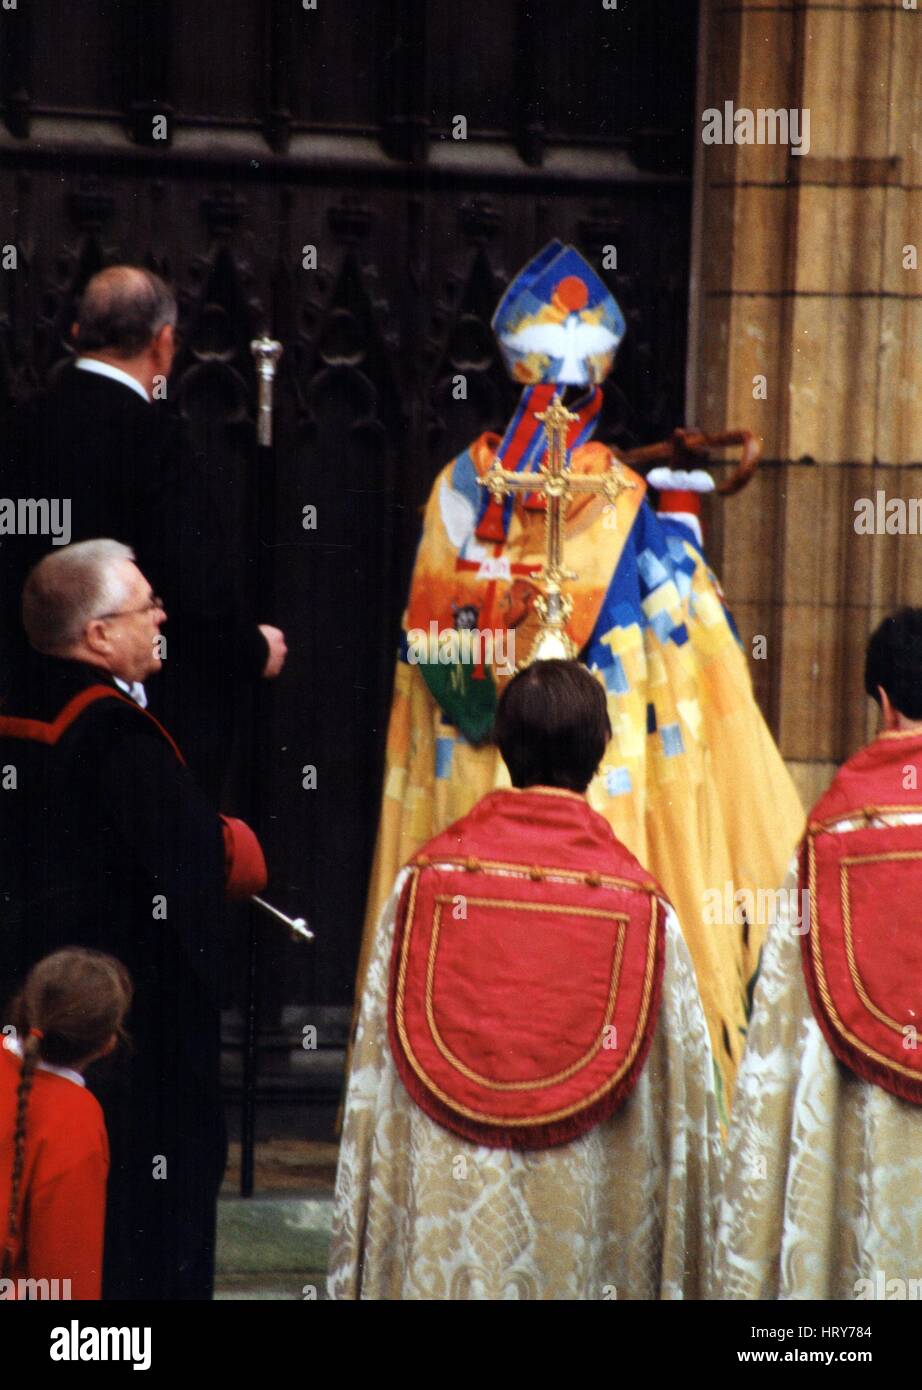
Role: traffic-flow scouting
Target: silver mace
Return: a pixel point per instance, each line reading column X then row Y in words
column 296, row 925
column 266, row 353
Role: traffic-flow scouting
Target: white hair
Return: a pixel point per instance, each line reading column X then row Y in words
column 68, row 588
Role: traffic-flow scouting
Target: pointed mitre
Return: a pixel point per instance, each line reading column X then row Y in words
column 557, row 321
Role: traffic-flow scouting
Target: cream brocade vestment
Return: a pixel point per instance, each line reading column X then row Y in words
column 823, row 1170
column 627, row 1211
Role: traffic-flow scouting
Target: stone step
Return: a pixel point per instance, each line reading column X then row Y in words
column 272, row 1246
column 293, row 1167
column 265, row 1288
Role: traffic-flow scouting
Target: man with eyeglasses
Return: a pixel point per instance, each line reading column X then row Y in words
column 107, row 841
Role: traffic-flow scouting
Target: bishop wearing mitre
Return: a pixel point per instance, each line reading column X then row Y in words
column 690, row 781
column 531, row 1111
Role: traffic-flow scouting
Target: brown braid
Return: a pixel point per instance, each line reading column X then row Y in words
column 69, row 1007
column 30, row 1057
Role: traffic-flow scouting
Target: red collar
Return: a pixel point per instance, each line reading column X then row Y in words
column 41, row 731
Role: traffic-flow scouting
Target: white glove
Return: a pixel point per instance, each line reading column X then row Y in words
column 678, row 480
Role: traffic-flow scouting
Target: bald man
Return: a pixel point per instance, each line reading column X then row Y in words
column 100, row 438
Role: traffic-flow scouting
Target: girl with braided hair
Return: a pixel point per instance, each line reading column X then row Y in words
column 54, row 1150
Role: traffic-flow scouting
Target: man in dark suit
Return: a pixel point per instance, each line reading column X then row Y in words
column 100, row 438
column 107, row 841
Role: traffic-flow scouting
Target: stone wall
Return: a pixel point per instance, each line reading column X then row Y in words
column 801, row 275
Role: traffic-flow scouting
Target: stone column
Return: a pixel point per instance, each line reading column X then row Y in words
column 804, row 275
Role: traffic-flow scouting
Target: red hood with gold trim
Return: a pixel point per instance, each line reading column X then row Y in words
column 526, row 971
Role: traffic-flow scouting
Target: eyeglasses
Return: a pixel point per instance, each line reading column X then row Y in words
column 154, row 602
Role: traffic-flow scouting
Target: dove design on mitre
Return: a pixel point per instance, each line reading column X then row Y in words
column 570, row 342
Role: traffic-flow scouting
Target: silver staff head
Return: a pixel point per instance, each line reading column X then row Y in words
column 266, row 353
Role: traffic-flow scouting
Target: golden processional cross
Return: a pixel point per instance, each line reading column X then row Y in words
column 557, row 485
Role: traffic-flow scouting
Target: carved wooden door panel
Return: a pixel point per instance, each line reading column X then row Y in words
column 360, row 181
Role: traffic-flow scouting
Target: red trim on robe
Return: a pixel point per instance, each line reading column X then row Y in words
column 244, row 860
column 245, row 864
column 39, row 731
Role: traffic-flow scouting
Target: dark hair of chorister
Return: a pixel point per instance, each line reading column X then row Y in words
column 69, row 1006
column 894, row 661
column 552, row 726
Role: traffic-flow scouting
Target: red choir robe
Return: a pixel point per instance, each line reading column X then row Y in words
column 62, row 1196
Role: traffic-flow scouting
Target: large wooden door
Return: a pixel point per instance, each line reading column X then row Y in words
column 359, row 180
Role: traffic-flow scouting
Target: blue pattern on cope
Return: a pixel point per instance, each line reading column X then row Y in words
column 464, row 480
column 671, row 736
column 444, row 753
column 618, row 781
column 616, row 677
column 656, row 554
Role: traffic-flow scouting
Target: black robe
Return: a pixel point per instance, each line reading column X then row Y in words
column 108, row 842
column 131, row 475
